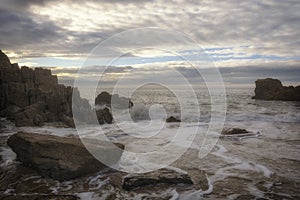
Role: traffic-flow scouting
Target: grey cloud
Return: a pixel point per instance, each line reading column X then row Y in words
column 18, row 31
column 91, row 70
column 269, row 27
column 245, row 74
column 234, row 75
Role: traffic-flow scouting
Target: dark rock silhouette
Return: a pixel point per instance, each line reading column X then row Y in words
column 162, row 176
column 31, row 97
column 172, row 119
column 272, row 89
column 106, row 99
column 104, row 116
column 61, row 158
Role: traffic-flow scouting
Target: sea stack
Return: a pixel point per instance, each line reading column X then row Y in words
column 272, row 89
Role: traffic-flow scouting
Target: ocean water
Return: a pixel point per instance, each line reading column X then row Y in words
column 265, row 165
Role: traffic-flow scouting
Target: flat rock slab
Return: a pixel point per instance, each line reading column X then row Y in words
column 234, row 131
column 62, row 158
column 162, row 176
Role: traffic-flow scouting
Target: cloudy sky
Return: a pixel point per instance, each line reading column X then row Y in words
column 246, row 40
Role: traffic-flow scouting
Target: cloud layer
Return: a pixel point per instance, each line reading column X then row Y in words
column 234, row 33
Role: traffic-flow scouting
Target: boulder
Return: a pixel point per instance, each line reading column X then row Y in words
column 172, row 119
column 32, row 115
column 104, row 116
column 161, row 176
column 106, row 99
column 272, row 89
column 61, row 158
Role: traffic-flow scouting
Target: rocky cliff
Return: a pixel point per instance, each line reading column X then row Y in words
column 30, row 97
column 272, row 89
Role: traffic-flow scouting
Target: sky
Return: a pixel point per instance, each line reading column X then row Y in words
column 245, row 40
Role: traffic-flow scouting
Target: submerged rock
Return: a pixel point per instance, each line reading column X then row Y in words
column 61, row 158
column 172, row 119
column 272, row 89
column 162, row 176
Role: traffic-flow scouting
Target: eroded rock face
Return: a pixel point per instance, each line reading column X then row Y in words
column 162, row 176
column 23, row 91
column 272, row 89
column 59, row 157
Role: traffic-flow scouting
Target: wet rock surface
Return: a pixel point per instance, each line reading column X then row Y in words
column 61, row 158
column 272, row 89
column 162, row 176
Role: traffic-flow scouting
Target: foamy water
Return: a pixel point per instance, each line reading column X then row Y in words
column 235, row 166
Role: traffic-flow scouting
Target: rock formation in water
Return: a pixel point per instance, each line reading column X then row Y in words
column 172, row 119
column 106, row 99
column 61, row 158
column 30, row 97
column 272, row 89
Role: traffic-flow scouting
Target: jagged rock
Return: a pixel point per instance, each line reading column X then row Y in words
column 172, row 119
column 32, row 115
column 104, row 98
column 162, row 176
column 272, row 89
column 4, row 61
column 61, row 158
column 22, row 88
column 104, row 116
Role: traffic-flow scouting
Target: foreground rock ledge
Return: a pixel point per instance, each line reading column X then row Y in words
column 162, row 176
column 61, row 158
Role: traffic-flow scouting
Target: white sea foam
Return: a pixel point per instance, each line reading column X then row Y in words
column 8, row 156
column 86, row 195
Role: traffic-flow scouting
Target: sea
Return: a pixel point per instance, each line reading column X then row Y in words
column 261, row 165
